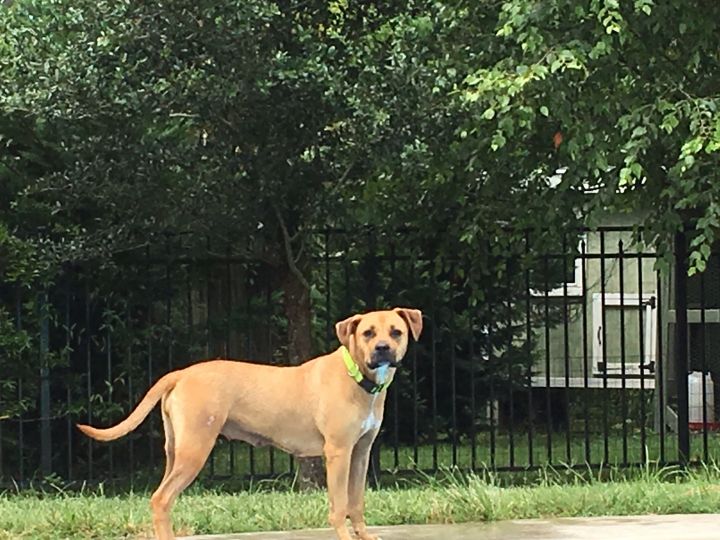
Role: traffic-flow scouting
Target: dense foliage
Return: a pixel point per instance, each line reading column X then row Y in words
column 474, row 134
column 235, row 120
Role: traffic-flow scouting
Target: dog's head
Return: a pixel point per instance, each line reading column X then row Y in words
column 380, row 338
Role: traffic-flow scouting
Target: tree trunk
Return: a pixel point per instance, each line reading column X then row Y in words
column 298, row 314
column 311, row 471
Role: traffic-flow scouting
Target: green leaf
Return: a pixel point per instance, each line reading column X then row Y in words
column 498, row 141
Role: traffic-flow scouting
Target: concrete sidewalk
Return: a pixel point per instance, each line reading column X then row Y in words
column 673, row 527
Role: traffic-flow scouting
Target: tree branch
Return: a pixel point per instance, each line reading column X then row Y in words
column 288, row 249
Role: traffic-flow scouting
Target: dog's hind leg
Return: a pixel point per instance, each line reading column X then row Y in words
column 169, row 440
column 193, row 443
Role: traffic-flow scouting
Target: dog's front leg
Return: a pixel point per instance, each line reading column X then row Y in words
column 337, row 463
column 356, row 487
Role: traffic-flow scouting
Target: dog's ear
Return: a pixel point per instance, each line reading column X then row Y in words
column 345, row 329
column 413, row 318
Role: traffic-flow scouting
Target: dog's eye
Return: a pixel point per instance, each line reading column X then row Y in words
column 368, row 333
column 395, row 333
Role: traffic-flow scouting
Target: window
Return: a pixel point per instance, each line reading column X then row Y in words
column 574, row 286
column 631, row 302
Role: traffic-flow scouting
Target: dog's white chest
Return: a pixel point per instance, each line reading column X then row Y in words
column 370, row 423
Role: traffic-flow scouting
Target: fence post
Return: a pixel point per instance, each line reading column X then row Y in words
column 371, row 300
column 681, row 347
column 45, row 442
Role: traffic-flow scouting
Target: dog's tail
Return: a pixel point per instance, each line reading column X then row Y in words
column 158, row 390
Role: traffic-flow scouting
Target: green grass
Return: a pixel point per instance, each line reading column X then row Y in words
column 451, row 497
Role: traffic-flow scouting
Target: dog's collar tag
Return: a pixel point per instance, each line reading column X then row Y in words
column 354, row 371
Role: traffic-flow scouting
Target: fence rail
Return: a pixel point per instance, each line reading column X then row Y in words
column 576, row 355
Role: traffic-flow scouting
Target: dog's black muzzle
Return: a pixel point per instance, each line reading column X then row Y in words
column 385, row 358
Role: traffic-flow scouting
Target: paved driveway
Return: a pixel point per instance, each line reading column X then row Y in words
column 673, row 527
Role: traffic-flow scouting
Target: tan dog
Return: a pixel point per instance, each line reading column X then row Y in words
column 331, row 406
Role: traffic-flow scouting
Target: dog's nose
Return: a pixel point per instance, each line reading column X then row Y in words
column 382, row 346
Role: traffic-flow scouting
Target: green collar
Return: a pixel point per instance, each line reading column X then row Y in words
column 354, row 371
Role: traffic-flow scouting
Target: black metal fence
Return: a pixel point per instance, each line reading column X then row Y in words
column 574, row 351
